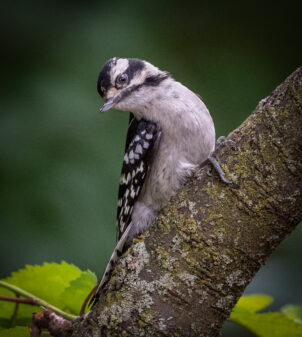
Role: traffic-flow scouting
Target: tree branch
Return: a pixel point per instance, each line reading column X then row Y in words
column 184, row 275
column 47, row 319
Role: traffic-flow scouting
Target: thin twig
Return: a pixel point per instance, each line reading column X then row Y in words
column 15, row 313
column 38, row 301
column 82, row 312
column 19, row 300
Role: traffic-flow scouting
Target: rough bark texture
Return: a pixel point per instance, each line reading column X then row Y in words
column 183, row 277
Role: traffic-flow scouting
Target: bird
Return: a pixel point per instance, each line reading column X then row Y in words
column 170, row 133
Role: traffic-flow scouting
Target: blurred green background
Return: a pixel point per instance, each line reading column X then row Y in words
column 61, row 159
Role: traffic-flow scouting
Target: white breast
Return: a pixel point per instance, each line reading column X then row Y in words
column 188, row 138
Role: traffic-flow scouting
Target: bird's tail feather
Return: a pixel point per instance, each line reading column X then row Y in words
column 112, row 262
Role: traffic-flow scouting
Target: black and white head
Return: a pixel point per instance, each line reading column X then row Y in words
column 124, row 82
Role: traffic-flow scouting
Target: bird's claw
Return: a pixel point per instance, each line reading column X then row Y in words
column 222, row 141
column 218, row 169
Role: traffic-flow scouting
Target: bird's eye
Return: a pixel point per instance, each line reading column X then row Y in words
column 121, row 79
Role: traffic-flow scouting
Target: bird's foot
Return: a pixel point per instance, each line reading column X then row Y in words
column 221, row 141
column 218, row 169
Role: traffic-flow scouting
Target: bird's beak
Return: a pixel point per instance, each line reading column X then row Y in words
column 108, row 105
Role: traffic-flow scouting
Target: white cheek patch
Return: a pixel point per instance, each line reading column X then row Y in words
column 120, row 67
column 139, row 77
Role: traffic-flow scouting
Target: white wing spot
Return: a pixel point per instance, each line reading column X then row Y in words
column 122, row 225
column 126, row 158
column 149, row 136
column 131, row 155
column 123, row 179
column 145, row 145
column 140, row 168
column 137, row 190
column 132, row 193
column 139, row 149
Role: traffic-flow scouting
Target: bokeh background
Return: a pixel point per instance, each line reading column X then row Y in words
column 61, row 159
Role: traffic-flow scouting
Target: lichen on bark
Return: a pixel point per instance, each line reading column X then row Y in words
column 184, row 275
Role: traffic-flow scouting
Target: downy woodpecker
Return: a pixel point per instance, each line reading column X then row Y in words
column 171, row 132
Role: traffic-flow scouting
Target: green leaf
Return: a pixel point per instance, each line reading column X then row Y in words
column 293, row 312
column 254, row 303
column 18, row 331
column 49, row 283
column 273, row 324
column 75, row 295
column 269, row 324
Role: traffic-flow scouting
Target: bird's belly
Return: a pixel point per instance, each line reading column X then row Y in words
column 164, row 179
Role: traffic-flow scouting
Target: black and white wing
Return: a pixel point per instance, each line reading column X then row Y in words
column 141, row 138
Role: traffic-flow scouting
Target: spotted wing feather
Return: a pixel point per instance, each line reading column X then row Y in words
column 141, row 138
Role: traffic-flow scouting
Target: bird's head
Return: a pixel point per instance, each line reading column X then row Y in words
column 122, row 82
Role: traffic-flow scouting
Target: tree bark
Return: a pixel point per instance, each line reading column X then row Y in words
column 184, row 275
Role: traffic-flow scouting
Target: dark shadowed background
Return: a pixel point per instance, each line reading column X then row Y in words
column 61, row 159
